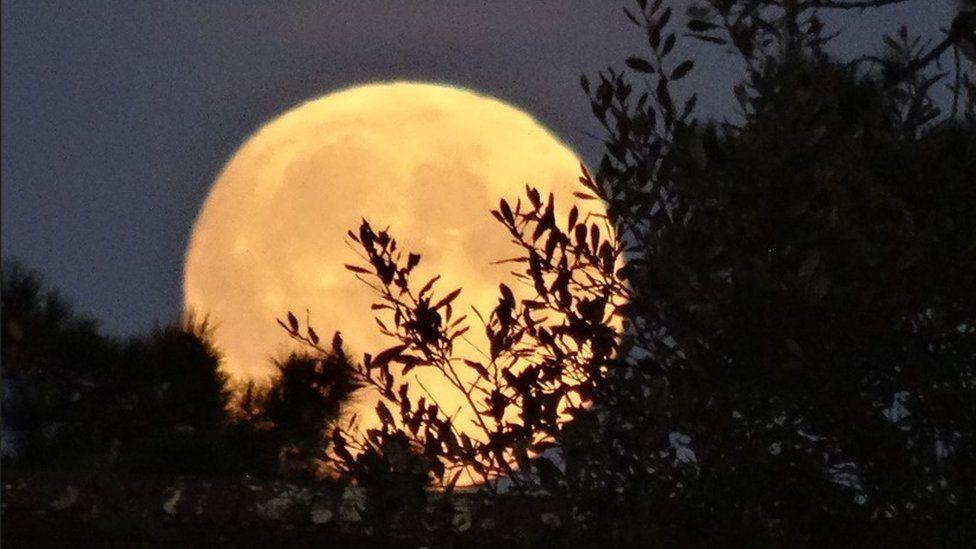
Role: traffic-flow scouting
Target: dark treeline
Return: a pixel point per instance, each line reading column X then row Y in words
column 797, row 364
column 75, row 399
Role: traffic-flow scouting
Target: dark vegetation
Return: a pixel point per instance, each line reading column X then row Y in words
column 76, row 400
column 795, row 363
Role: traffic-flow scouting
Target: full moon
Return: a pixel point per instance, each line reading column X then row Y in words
column 429, row 161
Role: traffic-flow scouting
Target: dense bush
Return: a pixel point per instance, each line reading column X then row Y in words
column 75, row 399
column 54, row 367
column 803, row 293
column 797, row 364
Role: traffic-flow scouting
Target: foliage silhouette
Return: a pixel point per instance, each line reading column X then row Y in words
column 77, row 400
column 308, row 395
column 534, row 369
column 802, row 293
column 53, row 361
column 174, row 399
column 797, row 361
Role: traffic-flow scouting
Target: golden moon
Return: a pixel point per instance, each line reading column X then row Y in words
column 429, row 161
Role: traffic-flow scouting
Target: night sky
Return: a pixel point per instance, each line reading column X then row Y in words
column 118, row 115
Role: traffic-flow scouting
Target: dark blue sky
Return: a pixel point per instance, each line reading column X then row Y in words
column 117, row 115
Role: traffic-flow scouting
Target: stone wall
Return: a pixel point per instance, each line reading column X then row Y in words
column 73, row 509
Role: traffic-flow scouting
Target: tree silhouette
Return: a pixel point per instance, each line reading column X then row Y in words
column 797, row 361
column 306, row 399
column 159, row 403
column 176, row 369
column 53, row 360
column 75, row 399
column 535, row 369
column 802, row 291
column 174, row 397
column 282, row 428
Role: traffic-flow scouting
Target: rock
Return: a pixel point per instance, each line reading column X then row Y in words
column 67, row 500
column 169, row 506
column 551, row 520
column 273, row 509
column 461, row 521
column 353, row 504
column 321, row 516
